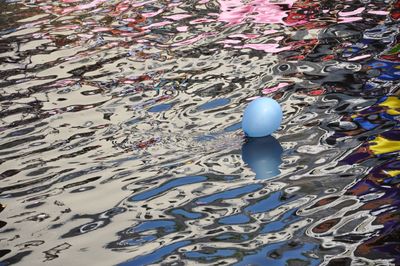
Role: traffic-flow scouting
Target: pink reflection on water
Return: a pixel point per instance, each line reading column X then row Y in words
column 152, row 14
column 230, row 42
column 275, row 88
column 182, row 28
column 258, row 11
column 351, row 13
column 266, row 47
column 244, row 36
column 92, row 4
column 349, row 19
column 379, row 12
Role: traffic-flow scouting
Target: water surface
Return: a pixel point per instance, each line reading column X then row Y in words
column 120, row 139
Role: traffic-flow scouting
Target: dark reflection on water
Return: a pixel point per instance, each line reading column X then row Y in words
column 120, row 138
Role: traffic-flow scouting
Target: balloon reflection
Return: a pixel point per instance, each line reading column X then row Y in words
column 263, row 156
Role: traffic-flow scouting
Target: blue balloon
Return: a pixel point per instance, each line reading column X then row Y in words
column 262, row 117
column 263, row 156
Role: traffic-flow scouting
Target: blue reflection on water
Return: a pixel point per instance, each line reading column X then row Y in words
column 233, row 127
column 228, row 236
column 263, row 155
column 168, row 226
column 269, row 203
column 230, row 194
column 284, row 221
column 186, row 214
column 160, row 108
column 235, row 219
column 210, row 256
column 167, row 186
column 213, row 104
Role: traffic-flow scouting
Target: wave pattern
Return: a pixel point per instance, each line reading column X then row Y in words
column 121, row 142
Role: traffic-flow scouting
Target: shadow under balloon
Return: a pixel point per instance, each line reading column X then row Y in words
column 263, row 156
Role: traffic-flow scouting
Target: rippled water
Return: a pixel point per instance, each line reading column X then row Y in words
column 121, row 141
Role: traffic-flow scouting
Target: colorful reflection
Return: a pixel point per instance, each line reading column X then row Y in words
column 121, row 141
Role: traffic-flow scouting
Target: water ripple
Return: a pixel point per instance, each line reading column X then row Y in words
column 120, row 132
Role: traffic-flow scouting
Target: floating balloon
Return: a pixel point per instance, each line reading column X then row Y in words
column 261, row 117
column 263, row 156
